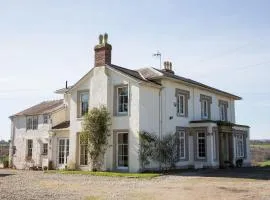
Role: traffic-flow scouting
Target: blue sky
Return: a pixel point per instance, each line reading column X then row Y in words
column 225, row 44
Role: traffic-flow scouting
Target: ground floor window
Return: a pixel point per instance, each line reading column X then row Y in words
column 122, row 150
column 45, row 149
column 63, row 151
column 181, row 144
column 201, row 150
column 239, row 141
column 29, row 148
column 83, row 153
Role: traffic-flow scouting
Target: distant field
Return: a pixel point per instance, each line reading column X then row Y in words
column 264, row 164
column 261, row 145
column 260, row 154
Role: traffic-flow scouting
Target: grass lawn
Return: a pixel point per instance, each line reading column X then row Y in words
column 264, row 164
column 109, row 174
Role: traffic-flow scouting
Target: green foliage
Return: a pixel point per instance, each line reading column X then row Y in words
column 162, row 150
column 147, row 148
column 95, row 131
column 109, row 174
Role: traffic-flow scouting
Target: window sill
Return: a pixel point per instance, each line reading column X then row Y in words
column 121, row 115
column 181, row 115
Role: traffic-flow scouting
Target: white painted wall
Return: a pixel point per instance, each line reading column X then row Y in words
column 39, row 136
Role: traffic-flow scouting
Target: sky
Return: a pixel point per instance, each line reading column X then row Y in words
column 225, row 44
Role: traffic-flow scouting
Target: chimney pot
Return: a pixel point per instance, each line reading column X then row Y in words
column 168, row 67
column 103, row 51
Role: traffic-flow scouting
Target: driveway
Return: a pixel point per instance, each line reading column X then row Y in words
column 203, row 184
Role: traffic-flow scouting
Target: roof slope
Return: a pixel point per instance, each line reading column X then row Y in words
column 153, row 74
column 44, row 107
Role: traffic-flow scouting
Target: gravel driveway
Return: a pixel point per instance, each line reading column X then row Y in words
column 29, row 185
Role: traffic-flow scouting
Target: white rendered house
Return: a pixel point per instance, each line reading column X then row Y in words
column 147, row 99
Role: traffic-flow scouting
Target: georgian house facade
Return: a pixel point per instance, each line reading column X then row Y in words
column 148, row 99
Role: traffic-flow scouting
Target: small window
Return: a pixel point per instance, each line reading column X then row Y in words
column 205, row 110
column 83, row 103
column 122, row 102
column 201, row 150
column 181, row 105
column 223, row 110
column 46, row 119
column 45, row 149
column 29, row 148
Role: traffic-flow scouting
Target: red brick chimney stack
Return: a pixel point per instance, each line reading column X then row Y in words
column 103, row 51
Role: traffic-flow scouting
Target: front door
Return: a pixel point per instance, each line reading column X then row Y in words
column 122, row 150
column 63, row 152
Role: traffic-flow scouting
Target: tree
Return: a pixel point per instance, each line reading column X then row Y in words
column 95, row 133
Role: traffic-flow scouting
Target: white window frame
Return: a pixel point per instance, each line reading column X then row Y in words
column 205, row 109
column 27, row 143
column 182, row 136
column 121, row 167
column 46, row 119
column 117, row 93
column 65, row 151
column 179, row 104
column 239, row 148
column 80, row 96
column 30, row 126
column 45, row 153
column 83, row 153
column 222, row 112
column 198, row 145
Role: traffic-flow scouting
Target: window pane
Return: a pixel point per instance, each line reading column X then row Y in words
column 122, row 99
column 84, row 97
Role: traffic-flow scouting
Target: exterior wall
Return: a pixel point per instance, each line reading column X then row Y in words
column 100, row 83
column 194, row 105
column 20, row 135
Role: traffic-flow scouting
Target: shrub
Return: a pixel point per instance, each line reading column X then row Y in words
column 161, row 150
column 95, row 132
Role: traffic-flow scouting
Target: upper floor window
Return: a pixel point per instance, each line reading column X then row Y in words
column 205, row 106
column 83, row 103
column 31, row 122
column 205, row 110
column 46, row 119
column 181, row 104
column 122, row 100
column 182, row 97
column 223, row 105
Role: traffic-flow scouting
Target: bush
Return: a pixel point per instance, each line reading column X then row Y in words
column 96, row 130
column 161, row 150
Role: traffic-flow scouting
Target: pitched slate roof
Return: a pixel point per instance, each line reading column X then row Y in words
column 133, row 73
column 151, row 75
column 44, row 107
column 171, row 75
